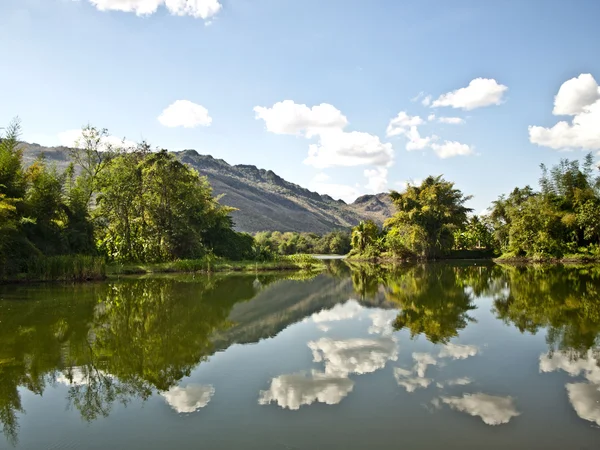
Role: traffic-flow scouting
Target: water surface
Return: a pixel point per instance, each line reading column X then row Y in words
column 420, row 357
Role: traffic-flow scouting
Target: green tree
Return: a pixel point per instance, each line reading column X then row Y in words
column 364, row 236
column 437, row 208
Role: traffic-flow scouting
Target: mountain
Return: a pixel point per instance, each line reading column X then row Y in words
column 264, row 200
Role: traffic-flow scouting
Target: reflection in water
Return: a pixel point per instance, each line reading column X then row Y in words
column 492, row 409
column 190, row 398
column 295, row 390
column 110, row 343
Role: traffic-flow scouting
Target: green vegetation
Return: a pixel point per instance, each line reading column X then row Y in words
column 430, row 222
column 137, row 210
column 562, row 220
column 289, row 243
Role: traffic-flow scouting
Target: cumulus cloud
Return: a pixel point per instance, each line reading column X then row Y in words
column 76, row 139
column 340, row 148
column 479, row 93
column 450, row 149
column 409, row 381
column 335, row 147
column 416, row 142
column 377, row 179
column 287, row 117
column 402, row 123
column 202, row 9
column 295, row 390
column 426, row 101
column 458, row 351
column 321, row 184
column 190, row 398
column 585, row 399
column 184, row 113
column 493, row 410
column 431, row 117
column 452, row 120
column 359, row 356
column 575, row 95
column 578, row 97
column 345, row 311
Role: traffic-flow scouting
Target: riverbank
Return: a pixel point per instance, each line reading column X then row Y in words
column 79, row 269
column 455, row 255
column 568, row 259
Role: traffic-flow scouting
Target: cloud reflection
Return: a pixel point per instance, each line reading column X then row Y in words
column 458, row 351
column 190, row 398
column 294, row 390
column 493, row 410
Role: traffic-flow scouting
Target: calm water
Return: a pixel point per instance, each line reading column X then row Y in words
column 423, row 357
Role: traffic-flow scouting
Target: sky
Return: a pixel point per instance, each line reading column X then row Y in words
column 345, row 97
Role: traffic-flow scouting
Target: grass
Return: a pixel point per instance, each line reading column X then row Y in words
column 291, row 263
column 69, row 268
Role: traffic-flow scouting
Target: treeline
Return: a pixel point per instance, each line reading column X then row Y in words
column 561, row 220
column 116, row 204
column 289, row 243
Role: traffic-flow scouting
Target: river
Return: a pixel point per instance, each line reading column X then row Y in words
column 453, row 356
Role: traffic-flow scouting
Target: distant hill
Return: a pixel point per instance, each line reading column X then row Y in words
column 264, row 200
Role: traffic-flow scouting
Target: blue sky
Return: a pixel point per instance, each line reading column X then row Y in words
column 240, row 80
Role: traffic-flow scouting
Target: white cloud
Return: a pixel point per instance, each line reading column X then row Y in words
column 585, row 399
column 335, row 147
column 426, row 101
column 493, row 410
column 287, row 117
column 321, row 185
column 359, row 356
column 377, row 179
column 580, row 98
column 423, row 360
column 184, row 113
column 416, row 142
column 404, row 184
column 575, row 94
column 345, row 311
column 479, row 93
column 458, row 351
column 76, row 139
column 202, row 9
column 417, row 97
column 431, row 117
column 411, row 383
column 450, row 149
column 401, row 123
column 190, row 398
column 381, row 321
column 452, row 120
column 339, row 148
column 78, row 376
column 295, row 390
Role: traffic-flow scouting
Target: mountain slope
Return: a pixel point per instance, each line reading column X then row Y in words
column 264, row 201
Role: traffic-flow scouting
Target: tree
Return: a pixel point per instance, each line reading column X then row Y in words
column 364, row 236
column 436, row 207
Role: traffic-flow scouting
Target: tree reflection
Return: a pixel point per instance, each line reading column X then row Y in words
column 564, row 300
column 111, row 342
column 432, row 299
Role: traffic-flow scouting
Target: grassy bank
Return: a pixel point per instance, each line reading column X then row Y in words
column 288, row 263
column 66, row 268
column 510, row 258
column 450, row 256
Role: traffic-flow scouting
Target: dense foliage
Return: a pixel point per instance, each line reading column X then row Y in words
column 560, row 220
column 123, row 204
column 430, row 221
column 289, row 243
